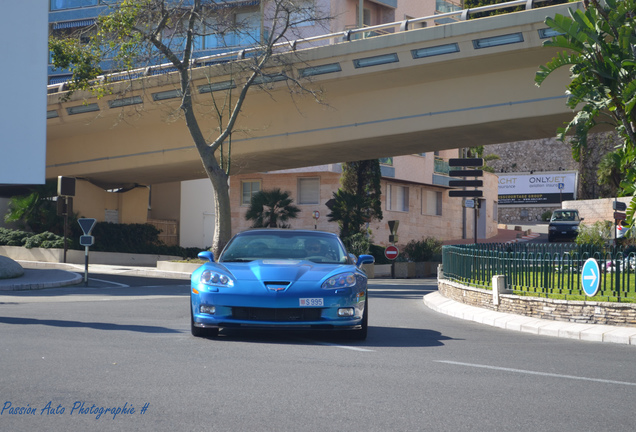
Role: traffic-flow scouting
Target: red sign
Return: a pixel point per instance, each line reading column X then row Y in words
column 391, row 252
column 620, row 216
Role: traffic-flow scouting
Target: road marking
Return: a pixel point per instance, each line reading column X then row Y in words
column 537, row 373
column 105, row 281
column 342, row 346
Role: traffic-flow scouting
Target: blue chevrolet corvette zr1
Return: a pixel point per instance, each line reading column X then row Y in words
column 276, row 278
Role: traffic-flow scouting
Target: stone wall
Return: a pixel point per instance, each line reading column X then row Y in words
column 586, row 312
column 549, row 154
column 595, row 210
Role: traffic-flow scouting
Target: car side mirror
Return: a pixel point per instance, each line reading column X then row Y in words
column 206, row 255
column 365, row 259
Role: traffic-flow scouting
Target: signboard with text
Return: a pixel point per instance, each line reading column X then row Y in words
column 541, row 188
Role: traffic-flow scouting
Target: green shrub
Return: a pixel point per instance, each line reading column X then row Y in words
column 597, row 234
column 357, row 244
column 378, row 253
column 545, row 216
column 423, row 250
column 10, row 237
column 44, row 240
column 109, row 237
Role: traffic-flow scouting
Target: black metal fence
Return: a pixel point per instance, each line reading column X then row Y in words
column 544, row 270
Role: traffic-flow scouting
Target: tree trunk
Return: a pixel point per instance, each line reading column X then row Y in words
column 222, row 209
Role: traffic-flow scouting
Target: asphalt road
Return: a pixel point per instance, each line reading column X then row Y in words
column 124, row 347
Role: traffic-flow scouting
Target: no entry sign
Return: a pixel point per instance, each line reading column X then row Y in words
column 391, row 252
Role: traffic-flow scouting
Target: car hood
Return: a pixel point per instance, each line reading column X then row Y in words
column 269, row 270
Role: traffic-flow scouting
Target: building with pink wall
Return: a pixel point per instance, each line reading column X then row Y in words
column 414, row 192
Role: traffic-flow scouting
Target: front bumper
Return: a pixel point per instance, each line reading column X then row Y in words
column 278, row 311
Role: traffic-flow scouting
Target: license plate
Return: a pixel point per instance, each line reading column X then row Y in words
column 305, row 302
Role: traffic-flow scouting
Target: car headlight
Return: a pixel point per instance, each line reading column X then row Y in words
column 344, row 280
column 552, row 228
column 215, row 279
column 575, row 228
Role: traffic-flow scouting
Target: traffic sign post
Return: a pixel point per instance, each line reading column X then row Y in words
column 474, row 193
column 590, row 277
column 87, row 240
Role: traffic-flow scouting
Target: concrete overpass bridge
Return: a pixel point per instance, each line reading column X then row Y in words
column 463, row 84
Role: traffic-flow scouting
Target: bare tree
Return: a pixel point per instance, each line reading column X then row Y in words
column 148, row 31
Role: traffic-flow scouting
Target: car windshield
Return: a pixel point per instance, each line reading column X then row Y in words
column 565, row 216
column 316, row 247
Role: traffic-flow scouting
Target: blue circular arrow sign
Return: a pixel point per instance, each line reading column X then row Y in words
column 590, row 277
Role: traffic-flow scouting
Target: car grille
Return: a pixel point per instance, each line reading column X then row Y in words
column 279, row 315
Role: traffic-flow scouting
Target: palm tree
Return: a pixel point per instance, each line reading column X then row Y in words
column 598, row 42
column 271, row 209
column 348, row 211
column 36, row 211
column 610, row 168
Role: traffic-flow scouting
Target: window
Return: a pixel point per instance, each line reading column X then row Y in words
column 248, row 189
column 386, row 161
column 243, row 29
column 308, row 190
column 431, row 203
column 397, row 198
column 495, row 210
column 303, row 14
column 71, row 4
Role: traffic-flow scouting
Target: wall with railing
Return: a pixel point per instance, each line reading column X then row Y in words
column 540, row 281
column 543, row 270
column 344, row 36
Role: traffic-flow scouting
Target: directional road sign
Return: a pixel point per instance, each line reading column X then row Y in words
column 391, row 252
column 466, row 162
column 466, row 193
column 465, row 173
column 590, row 277
column 620, row 216
column 619, row 205
column 465, row 183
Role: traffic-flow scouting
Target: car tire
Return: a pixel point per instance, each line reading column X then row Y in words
column 361, row 333
column 200, row 331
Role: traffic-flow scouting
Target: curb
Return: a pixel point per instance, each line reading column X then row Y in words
column 524, row 238
column 536, row 326
column 64, row 278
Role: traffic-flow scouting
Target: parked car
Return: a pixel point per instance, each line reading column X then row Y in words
column 564, row 225
column 285, row 279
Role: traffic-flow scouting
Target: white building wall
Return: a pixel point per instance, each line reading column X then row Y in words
column 197, row 214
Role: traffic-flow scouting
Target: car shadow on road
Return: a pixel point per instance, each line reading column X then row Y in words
column 378, row 337
column 91, row 325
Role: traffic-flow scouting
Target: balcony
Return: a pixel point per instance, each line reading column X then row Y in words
column 441, row 166
column 440, row 172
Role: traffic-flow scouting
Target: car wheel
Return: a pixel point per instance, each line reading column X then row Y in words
column 361, row 333
column 200, row 331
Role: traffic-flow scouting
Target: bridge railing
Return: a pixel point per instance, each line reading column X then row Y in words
column 543, row 270
column 343, row 36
